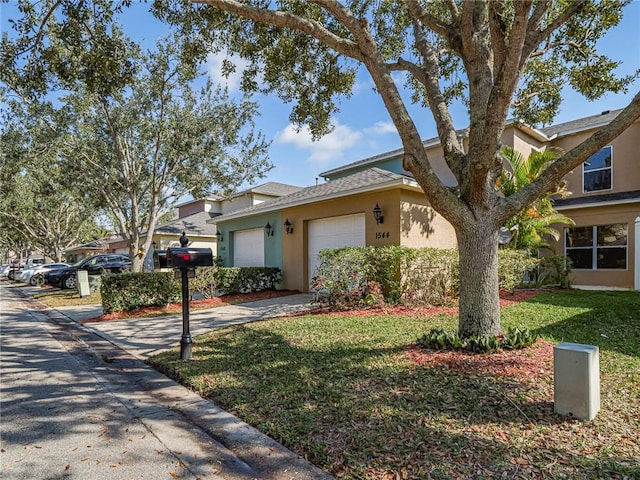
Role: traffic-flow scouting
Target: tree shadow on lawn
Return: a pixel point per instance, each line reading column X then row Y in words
column 608, row 319
column 353, row 409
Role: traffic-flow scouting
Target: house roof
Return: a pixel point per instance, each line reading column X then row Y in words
column 581, row 124
column 598, row 200
column 195, row 224
column 367, row 180
column 275, row 189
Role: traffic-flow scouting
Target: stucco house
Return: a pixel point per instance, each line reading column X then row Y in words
column 375, row 202
column 192, row 217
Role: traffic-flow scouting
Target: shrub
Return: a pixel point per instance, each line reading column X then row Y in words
column 232, row 280
column 439, row 339
column 552, row 270
column 512, row 264
column 128, row 291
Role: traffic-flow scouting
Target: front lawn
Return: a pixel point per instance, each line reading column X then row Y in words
column 354, row 396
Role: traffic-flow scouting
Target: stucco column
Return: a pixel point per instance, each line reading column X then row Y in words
column 636, row 275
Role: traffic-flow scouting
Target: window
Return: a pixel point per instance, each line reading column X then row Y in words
column 596, row 171
column 598, row 247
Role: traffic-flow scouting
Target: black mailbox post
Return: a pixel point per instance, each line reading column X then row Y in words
column 186, row 260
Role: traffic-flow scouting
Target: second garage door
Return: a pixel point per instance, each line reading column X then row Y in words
column 248, row 248
column 334, row 232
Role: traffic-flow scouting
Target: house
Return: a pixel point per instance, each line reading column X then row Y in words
column 375, row 202
column 192, row 217
column 604, row 244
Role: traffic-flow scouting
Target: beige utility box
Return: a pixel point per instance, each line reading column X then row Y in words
column 82, row 282
column 576, row 380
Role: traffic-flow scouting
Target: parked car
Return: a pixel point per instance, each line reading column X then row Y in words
column 95, row 265
column 14, row 269
column 4, row 269
column 31, row 274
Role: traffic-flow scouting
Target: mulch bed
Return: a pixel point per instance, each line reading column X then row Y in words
column 200, row 304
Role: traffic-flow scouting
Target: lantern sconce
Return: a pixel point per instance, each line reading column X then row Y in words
column 377, row 214
column 269, row 230
column 288, row 227
column 219, row 236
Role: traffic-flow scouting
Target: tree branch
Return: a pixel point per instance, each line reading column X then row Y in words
column 282, row 19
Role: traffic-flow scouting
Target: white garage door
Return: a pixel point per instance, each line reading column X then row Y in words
column 248, row 248
column 334, row 232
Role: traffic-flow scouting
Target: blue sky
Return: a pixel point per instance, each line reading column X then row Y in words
column 363, row 127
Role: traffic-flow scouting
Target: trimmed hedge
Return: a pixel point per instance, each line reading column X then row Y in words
column 128, row 291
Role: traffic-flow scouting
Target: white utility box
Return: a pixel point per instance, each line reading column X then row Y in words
column 576, row 380
column 82, row 282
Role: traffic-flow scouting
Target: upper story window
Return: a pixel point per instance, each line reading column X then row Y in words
column 597, row 171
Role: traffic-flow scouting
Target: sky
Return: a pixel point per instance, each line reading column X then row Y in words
column 363, row 127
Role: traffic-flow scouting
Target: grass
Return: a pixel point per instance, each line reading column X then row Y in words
column 64, row 298
column 350, row 394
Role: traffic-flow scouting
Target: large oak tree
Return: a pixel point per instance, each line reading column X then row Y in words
column 500, row 57
column 139, row 135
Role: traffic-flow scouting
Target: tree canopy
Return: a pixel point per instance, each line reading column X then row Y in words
column 499, row 57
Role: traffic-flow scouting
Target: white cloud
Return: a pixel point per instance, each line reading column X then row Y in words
column 214, row 70
column 381, row 128
column 329, row 148
column 335, row 146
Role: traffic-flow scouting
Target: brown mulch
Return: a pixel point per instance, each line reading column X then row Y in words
column 507, row 298
column 529, row 364
column 200, row 304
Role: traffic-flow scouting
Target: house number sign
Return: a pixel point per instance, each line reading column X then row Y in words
column 382, row 234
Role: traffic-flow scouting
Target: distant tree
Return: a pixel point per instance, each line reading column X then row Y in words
column 37, row 210
column 498, row 57
column 141, row 149
column 533, row 225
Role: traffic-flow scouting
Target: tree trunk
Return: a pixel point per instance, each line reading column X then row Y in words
column 136, row 260
column 479, row 292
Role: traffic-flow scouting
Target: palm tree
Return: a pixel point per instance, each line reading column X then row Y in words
column 533, row 223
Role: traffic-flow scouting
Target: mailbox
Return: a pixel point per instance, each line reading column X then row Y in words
column 189, row 257
column 159, row 259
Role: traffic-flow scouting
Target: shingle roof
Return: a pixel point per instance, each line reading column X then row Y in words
column 195, row 224
column 276, row 189
column 581, row 124
column 372, row 179
column 618, row 197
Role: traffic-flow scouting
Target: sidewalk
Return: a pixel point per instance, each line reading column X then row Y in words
column 143, row 337
column 115, row 417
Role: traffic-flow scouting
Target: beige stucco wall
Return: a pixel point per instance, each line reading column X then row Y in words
column 421, row 226
column 626, row 173
column 606, row 215
column 401, row 208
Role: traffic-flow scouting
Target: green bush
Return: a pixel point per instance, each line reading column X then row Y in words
column 352, row 276
column 439, row 339
column 128, row 291
column 218, row 280
column 512, row 264
column 553, row 271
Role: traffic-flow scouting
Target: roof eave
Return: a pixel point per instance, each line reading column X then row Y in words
column 402, row 182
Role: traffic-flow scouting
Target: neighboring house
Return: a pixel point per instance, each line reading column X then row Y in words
column 604, row 245
column 193, row 219
column 376, row 202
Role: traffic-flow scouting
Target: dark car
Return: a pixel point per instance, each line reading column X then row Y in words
column 95, row 265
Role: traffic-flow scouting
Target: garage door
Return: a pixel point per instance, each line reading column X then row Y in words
column 248, row 248
column 334, row 232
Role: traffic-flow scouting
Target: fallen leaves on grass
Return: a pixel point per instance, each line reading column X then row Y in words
column 531, row 364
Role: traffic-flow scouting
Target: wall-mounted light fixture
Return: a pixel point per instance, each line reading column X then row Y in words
column 269, row 230
column 219, row 236
column 377, row 214
column 288, row 227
